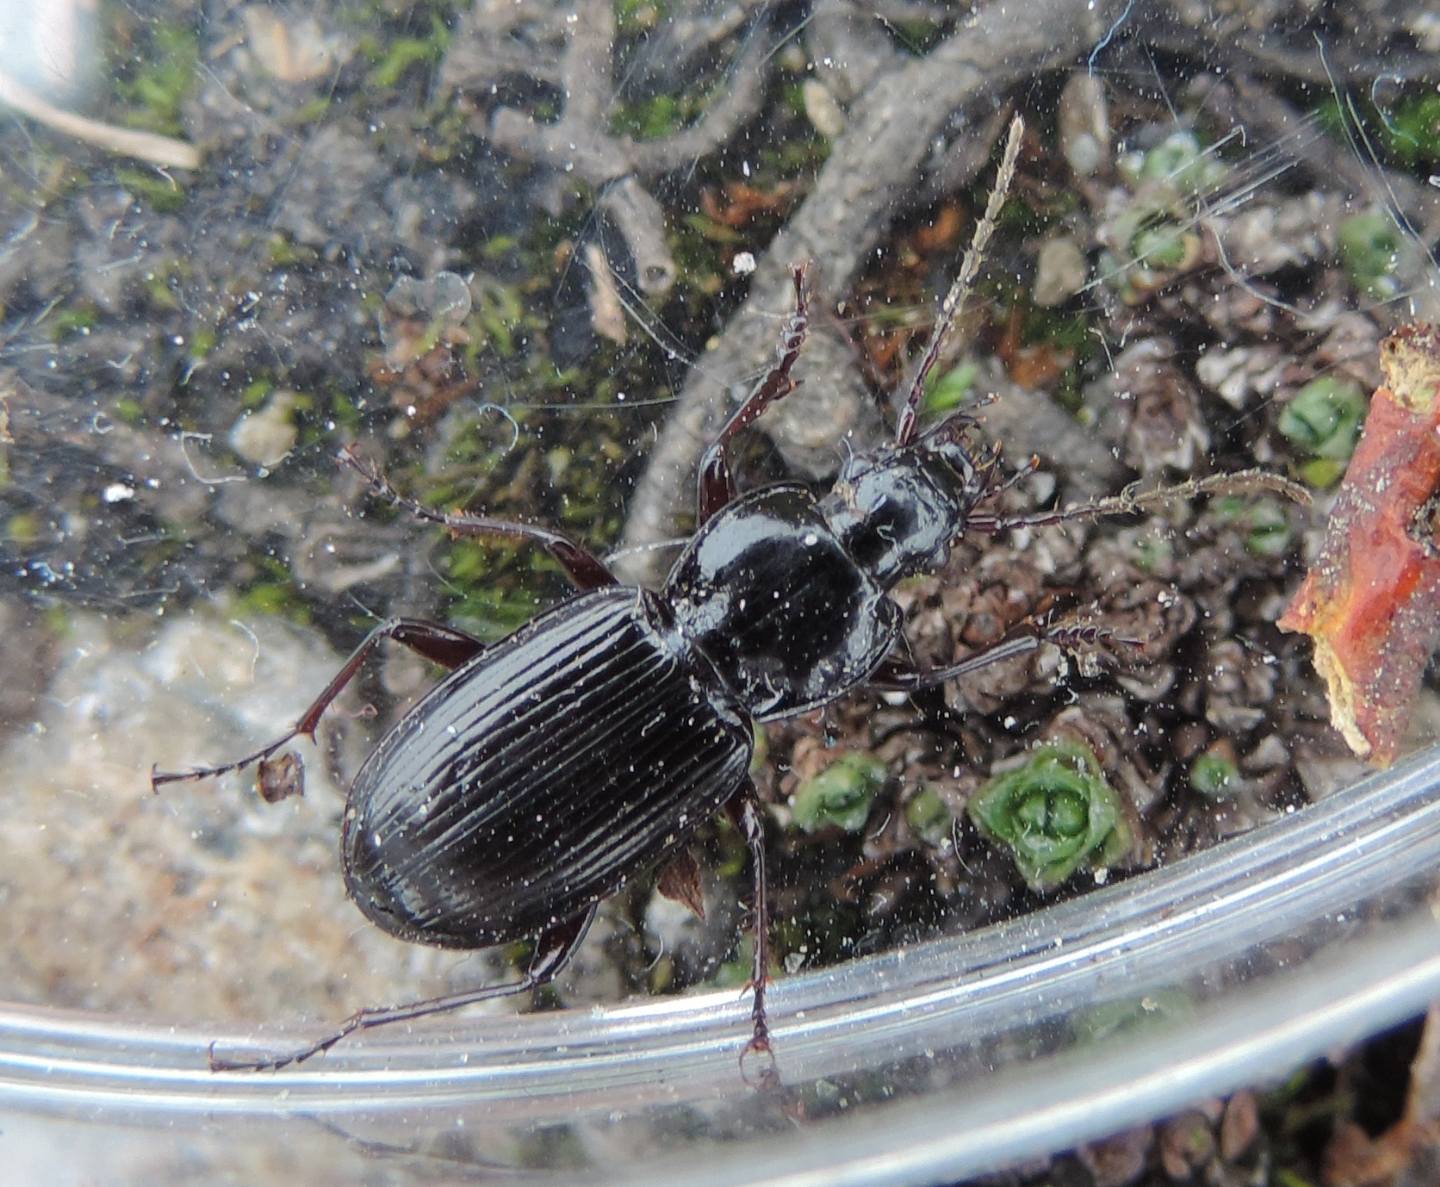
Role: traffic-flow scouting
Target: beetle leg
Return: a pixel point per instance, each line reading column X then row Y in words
column 553, row 949
column 441, row 644
column 717, row 483
column 746, row 814
column 583, row 567
column 893, row 677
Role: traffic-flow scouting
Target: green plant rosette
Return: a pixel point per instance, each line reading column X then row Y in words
column 839, row 796
column 1056, row 815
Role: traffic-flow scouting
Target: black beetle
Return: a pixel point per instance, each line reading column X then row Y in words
column 549, row 768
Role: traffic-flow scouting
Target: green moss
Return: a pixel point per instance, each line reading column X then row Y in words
column 1101, row 1024
column 949, row 391
column 653, row 118
column 495, row 595
column 1152, row 551
column 1369, row 252
column 1180, row 163
column 157, row 192
column 1263, row 523
column 22, row 529
column 394, row 57
column 255, row 392
column 283, row 252
column 497, row 313
column 633, row 17
column 155, row 89
column 1056, row 814
column 202, row 342
column 1323, row 419
column 708, row 228
column 1412, row 130
column 274, row 592
column 160, row 287
column 1161, row 246
column 1214, row 774
column 308, row 113
column 65, row 322
column 928, row 816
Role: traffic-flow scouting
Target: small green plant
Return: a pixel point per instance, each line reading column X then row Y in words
column 1263, row 524
column 1323, row 420
column 1056, row 815
column 928, row 816
column 1214, row 773
column 840, row 795
column 948, row 391
column 1369, row 252
column 1181, row 163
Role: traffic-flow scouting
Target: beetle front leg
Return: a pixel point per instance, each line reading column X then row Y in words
column 553, row 949
column 717, row 483
column 441, row 644
column 585, row 569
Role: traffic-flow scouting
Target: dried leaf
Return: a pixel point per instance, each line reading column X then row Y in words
column 280, row 777
column 679, row 881
column 743, row 202
column 1371, row 601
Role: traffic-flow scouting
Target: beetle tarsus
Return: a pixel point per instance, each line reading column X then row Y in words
column 769, row 1078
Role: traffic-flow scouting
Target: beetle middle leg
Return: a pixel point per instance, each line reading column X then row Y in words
column 585, row 569
column 745, row 812
column 553, row 949
column 440, row 644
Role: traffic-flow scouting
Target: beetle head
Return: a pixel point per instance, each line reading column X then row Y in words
column 896, row 511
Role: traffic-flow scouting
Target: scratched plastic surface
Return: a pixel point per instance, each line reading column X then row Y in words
column 940, row 1060
column 929, row 1063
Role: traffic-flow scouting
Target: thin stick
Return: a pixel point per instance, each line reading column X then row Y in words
column 164, row 151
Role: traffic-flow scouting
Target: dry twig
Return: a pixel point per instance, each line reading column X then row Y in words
column 163, row 151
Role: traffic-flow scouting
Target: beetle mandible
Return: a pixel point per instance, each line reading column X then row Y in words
column 546, row 770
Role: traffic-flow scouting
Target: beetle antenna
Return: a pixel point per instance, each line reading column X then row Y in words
column 1133, row 501
column 954, row 303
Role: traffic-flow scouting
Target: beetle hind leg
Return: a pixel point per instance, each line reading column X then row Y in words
column 440, row 644
column 553, row 949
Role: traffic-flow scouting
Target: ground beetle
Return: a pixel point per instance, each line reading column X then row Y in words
column 548, row 769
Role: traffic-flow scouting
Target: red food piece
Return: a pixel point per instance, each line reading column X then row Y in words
column 1371, row 601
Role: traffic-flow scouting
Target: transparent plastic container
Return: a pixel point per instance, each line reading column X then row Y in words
column 928, row 1063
